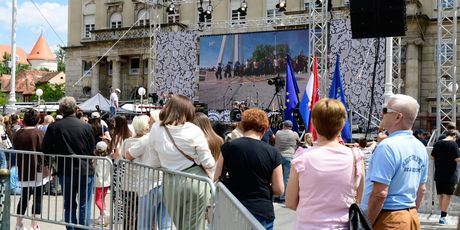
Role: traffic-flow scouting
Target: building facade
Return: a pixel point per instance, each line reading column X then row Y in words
column 109, row 43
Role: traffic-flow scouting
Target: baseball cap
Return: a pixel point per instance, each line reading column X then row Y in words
column 101, row 146
column 117, row 90
column 95, row 115
column 287, row 123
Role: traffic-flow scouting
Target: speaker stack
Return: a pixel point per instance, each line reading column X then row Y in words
column 377, row 18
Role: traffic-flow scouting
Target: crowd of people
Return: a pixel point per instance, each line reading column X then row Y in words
column 259, row 67
column 319, row 179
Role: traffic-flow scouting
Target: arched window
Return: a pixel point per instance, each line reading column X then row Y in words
column 115, row 20
column 144, row 17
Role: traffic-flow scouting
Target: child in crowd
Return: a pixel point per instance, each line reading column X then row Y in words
column 103, row 179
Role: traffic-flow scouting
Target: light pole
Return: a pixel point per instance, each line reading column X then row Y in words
column 39, row 93
column 12, row 100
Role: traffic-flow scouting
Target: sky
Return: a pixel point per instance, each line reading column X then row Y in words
column 30, row 23
column 210, row 45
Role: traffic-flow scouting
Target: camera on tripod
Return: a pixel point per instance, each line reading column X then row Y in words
column 277, row 82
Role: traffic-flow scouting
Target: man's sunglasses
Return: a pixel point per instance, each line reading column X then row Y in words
column 386, row 110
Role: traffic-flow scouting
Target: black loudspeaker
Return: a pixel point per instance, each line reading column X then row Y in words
column 377, row 18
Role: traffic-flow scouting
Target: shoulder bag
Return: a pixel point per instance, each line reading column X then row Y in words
column 207, row 171
column 357, row 219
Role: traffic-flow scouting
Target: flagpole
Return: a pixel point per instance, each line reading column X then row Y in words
column 12, row 100
column 388, row 69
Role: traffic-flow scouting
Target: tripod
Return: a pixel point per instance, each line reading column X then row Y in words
column 278, row 99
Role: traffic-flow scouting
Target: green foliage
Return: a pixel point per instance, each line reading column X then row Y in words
column 3, row 98
column 45, row 69
column 60, row 56
column 4, row 65
column 51, row 92
column 262, row 51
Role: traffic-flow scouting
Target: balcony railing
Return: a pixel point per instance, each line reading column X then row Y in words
column 125, row 33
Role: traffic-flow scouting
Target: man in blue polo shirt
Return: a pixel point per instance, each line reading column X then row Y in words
column 398, row 170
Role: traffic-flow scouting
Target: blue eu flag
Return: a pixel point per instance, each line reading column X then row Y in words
column 336, row 92
column 292, row 89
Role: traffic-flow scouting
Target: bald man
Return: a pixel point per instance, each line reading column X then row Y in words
column 398, row 169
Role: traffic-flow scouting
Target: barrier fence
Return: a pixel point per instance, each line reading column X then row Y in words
column 4, row 199
column 230, row 214
column 44, row 178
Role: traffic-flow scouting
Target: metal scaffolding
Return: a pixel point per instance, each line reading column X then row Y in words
column 396, row 65
column 318, row 41
column 446, row 51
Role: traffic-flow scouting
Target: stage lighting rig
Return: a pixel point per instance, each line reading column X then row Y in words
column 281, row 6
column 243, row 9
column 171, row 8
column 208, row 11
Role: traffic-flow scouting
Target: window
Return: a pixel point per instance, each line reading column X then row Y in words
column 236, row 16
column 146, row 66
column 144, row 17
column 306, row 4
column 86, row 68
column 88, row 22
column 115, row 20
column 447, row 51
column 109, row 68
column 173, row 17
column 134, row 65
column 445, row 4
column 273, row 14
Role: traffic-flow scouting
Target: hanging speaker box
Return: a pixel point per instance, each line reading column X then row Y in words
column 377, row 18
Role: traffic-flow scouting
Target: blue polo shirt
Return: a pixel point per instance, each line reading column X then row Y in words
column 401, row 162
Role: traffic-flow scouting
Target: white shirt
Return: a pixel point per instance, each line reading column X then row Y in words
column 189, row 138
column 113, row 99
column 139, row 178
column 103, row 173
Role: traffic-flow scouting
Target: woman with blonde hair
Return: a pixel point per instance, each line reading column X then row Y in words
column 214, row 140
column 251, row 168
column 328, row 171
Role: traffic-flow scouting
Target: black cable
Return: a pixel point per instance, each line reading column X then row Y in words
column 374, row 74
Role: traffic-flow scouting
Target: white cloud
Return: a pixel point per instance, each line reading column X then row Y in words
column 28, row 17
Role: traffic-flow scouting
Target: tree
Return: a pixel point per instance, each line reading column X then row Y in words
column 4, row 69
column 262, row 51
column 60, row 56
column 51, row 92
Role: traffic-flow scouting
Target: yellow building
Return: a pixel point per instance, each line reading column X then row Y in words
column 94, row 27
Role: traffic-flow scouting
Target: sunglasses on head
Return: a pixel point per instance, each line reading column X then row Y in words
column 386, row 110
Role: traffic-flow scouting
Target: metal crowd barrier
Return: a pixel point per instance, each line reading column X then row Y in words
column 140, row 197
column 156, row 198
column 4, row 199
column 50, row 178
column 230, row 214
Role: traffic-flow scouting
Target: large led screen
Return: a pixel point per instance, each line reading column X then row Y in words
column 241, row 68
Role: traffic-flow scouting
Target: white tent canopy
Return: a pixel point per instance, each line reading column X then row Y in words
column 90, row 104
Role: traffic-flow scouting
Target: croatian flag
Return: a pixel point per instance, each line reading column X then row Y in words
column 309, row 98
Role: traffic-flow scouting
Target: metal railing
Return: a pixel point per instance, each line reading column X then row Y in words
column 46, row 177
column 229, row 213
column 141, row 197
column 4, row 199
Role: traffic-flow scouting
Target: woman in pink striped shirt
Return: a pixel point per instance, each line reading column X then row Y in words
column 322, row 179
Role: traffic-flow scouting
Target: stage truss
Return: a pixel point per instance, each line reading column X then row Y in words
column 396, row 65
column 318, row 42
column 446, row 56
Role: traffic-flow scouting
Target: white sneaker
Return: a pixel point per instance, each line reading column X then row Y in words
column 20, row 228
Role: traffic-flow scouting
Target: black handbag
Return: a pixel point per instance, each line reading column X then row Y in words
column 357, row 219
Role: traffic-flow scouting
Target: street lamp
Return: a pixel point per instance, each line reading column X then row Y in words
column 141, row 91
column 39, row 93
